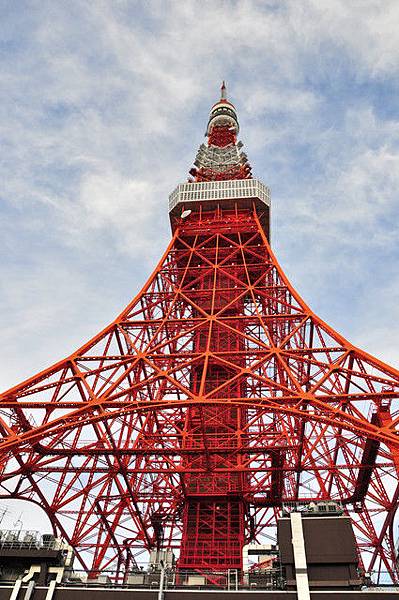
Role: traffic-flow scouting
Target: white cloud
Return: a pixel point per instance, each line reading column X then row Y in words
column 120, row 209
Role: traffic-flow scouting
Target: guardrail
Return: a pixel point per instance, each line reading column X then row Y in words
column 29, row 540
column 231, row 579
column 175, row 578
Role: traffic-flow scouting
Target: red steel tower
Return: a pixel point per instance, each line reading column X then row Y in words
column 216, row 397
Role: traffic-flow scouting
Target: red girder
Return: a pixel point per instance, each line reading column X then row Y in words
column 281, row 411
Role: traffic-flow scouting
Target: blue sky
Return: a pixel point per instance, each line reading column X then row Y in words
column 102, row 108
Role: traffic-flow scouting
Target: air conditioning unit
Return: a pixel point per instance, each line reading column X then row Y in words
column 166, row 556
column 195, row 580
column 48, row 540
column 135, row 579
column 104, row 579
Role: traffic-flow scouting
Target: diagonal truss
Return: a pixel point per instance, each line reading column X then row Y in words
column 217, row 374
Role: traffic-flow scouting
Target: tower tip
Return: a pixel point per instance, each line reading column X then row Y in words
column 223, row 91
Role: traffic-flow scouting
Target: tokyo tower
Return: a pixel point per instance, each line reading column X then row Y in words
column 213, row 400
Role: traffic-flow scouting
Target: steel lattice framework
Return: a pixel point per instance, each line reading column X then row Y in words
column 215, row 397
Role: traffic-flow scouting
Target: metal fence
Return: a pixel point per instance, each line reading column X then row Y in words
column 231, row 579
column 29, row 540
column 174, row 578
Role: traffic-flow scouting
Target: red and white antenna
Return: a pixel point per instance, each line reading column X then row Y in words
column 223, row 93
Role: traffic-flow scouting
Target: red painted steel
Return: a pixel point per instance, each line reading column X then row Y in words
column 215, row 397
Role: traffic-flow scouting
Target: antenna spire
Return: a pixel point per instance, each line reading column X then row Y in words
column 223, row 95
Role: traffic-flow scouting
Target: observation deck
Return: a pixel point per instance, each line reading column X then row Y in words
column 244, row 193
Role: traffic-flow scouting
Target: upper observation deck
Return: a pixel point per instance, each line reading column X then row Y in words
column 243, row 193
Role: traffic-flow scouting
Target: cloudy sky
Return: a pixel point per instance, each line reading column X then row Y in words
column 103, row 105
